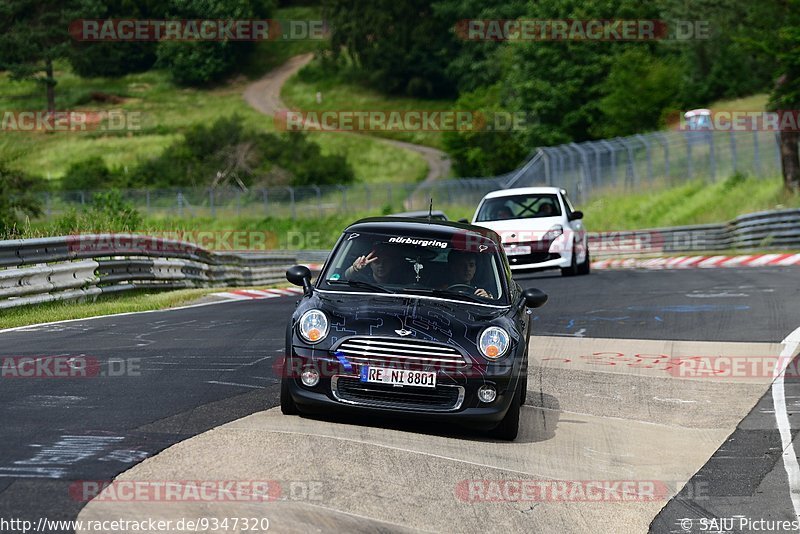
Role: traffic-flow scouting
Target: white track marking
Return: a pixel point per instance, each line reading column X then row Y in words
column 38, row 325
column 790, row 463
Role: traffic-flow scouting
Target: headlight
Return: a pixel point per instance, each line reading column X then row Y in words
column 313, row 326
column 493, row 342
column 553, row 233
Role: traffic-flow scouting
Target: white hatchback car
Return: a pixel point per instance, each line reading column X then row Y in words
column 539, row 227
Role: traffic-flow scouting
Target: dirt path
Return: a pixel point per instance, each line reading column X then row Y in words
column 265, row 96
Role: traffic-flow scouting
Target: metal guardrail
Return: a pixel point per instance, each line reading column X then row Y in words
column 778, row 229
column 33, row 271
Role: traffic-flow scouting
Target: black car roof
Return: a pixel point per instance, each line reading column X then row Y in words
column 419, row 227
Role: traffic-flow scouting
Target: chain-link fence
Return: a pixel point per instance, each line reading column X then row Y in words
column 284, row 202
column 655, row 159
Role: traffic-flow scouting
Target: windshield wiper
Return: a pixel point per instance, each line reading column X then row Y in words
column 444, row 293
column 361, row 284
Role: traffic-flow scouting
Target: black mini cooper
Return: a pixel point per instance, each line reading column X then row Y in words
column 412, row 318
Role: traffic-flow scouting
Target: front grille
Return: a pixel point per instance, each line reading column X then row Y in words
column 441, row 398
column 535, row 257
column 400, row 352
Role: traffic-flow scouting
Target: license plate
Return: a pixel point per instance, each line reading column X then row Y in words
column 516, row 251
column 398, row 377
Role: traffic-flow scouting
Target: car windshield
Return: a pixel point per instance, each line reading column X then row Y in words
column 519, row 207
column 464, row 267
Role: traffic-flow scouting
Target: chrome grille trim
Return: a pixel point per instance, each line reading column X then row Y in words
column 397, row 350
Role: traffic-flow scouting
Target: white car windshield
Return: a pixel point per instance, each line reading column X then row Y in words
column 519, row 207
column 464, row 267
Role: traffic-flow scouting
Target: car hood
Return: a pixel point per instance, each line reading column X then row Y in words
column 456, row 323
column 514, row 230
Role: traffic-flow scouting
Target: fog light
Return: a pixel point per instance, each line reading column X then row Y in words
column 487, row 393
column 310, row 377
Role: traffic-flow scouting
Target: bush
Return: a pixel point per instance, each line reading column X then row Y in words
column 226, row 150
column 16, row 198
column 108, row 212
column 88, row 174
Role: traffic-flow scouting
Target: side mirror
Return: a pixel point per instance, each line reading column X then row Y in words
column 464, row 221
column 534, row 298
column 576, row 215
column 300, row 275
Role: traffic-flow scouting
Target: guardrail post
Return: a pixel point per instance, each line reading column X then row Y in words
column 630, row 169
column 319, row 200
column 83, row 198
column 689, row 166
column 597, row 179
column 612, row 154
column 344, row 198
column 48, row 208
column 646, row 144
column 712, row 160
column 547, row 178
column 265, row 197
column 664, row 143
column 180, row 204
column 291, row 201
column 734, row 161
column 778, row 148
column 756, row 154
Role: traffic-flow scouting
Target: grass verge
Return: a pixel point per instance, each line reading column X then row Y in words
column 695, row 202
column 135, row 301
column 337, row 94
column 160, row 112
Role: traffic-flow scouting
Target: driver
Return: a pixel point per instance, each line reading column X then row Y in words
column 546, row 210
column 382, row 265
column 463, row 266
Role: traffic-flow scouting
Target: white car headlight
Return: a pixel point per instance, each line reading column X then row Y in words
column 553, row 233
column 313, row 326
column 493, row 342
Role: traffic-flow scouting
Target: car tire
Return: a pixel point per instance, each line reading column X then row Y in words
column 508, row 428
column 288, row 406
column 586, row 266
column 572, row 270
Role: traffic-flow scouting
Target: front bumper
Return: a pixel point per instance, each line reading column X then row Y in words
column 544, row 255
column 453, row 399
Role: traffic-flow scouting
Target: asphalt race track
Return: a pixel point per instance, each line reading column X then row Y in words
column 614, row 397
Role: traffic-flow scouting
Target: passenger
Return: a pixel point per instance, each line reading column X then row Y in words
column 503, row 212
column 463, row 266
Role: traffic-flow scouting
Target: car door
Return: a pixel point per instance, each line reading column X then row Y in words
column 575, row 226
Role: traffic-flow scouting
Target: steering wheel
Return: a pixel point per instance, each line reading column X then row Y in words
column 461, row 287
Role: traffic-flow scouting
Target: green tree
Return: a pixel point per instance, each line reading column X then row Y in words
column 35, row 33
column 401, row 46
column 203, row 62
column 638, row 90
